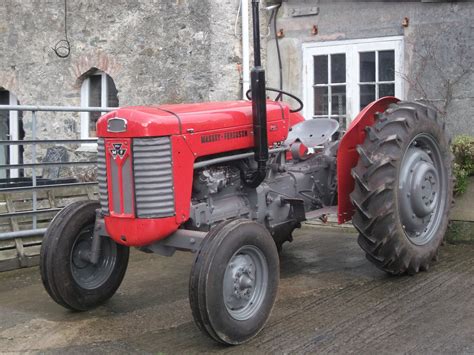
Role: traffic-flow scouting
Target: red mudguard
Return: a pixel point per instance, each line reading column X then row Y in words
column 347, row 155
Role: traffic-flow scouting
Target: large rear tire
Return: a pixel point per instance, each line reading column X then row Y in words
column 234, row 281
column 403, row 188
column 68, row 276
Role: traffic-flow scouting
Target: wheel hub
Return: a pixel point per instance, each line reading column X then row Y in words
column 420, row 189
column 424, row 188
column 244, row 283
column 86, row 274
column 240, row 271
column 80, row 254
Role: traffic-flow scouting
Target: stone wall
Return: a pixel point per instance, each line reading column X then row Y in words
column 156, row 52
column 186, row 51
column 439, row 47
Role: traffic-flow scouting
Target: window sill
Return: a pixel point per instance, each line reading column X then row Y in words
column 87, row 147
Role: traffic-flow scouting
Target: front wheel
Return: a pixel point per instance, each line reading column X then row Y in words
column 67, row 273
column 234, row 281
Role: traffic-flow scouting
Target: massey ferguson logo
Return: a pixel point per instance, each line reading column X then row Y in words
column 118, row 151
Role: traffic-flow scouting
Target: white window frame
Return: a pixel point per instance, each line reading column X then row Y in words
column 85, row 116
column 351, row 48
column 13, row 135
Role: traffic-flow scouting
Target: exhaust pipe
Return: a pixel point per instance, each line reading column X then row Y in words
column 259, row 107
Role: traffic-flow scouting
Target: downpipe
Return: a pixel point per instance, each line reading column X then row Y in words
column 245, row 47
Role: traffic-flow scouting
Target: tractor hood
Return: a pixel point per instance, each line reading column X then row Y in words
column 168, row 120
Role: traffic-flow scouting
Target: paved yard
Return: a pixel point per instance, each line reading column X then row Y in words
column 330, row 300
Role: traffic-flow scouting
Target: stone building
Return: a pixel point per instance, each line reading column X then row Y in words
column 340, row 55
column 337, row 56
column 142, row 52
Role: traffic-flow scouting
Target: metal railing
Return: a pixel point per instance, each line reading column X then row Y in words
column 36, row 184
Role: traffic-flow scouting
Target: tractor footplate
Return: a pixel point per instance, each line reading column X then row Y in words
column 297, row 208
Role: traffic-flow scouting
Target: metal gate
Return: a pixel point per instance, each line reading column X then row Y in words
column 29, row 198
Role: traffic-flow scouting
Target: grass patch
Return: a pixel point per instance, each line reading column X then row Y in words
column 463, row 150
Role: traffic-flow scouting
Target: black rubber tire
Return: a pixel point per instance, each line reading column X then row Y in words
column 377, row 217
column 55, row 260
column 207, row 274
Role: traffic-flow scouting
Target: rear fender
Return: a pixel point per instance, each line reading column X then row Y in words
column 295, row 118
column 347, row 156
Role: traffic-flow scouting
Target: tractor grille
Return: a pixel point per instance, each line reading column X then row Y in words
column 153, row 176
column 102, row 176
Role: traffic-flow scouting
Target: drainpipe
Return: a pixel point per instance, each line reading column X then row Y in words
column 245, row 48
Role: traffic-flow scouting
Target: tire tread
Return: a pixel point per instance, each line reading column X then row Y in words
column 374, row 192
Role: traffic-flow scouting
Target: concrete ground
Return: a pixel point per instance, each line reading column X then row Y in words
column 330, row 300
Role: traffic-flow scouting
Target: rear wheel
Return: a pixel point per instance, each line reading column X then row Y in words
column 403, row 188
column 234, row 281
column 68, row 275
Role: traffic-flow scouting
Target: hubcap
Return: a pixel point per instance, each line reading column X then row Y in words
column 245, row 282
column 87, row 275
column 422, row 189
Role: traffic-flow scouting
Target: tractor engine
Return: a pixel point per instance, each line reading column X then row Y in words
column 170, row 168
column 293, row 187
column 164, row 168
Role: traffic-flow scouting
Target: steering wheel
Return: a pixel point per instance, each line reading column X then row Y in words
column 281, row 92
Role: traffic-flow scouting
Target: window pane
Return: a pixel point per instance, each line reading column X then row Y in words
column 342, row 125
column 338, row 104
column 112, row 98
column 4, row 124
column 386, row 65
column 321, row 69
column 367, row 95
column 338, row 68
column 95, row 92
column 386, row 90
column 4, row 98
column 95, row 88
column 321, row 101
column 367, row 67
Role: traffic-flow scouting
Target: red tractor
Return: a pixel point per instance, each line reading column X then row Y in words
column 230, row 181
